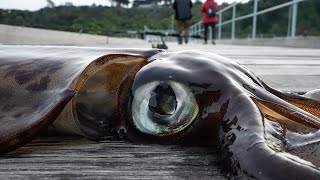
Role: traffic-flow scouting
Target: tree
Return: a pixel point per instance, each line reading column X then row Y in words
column 120, row 3
column 198, row 2
column 167, row 2
column 68, row 4
column 50, row 4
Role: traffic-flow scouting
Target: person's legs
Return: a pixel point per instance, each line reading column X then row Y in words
column 213, row 29
column 186, row 30
column 205, row 33
column 180, row 27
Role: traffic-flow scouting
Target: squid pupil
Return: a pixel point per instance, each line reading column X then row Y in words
column 163, row 100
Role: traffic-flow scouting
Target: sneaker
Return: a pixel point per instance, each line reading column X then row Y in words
column 186, row 40
column 213, row 42
column 205, row 42
column 179, row 40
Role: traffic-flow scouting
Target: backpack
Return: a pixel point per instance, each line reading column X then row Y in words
column 211, row 12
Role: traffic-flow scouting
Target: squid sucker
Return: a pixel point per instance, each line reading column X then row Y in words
column 167, row 97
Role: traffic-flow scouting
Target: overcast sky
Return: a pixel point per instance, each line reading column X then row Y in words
column 37, row 4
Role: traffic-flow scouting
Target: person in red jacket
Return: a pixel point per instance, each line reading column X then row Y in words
column 209, row 18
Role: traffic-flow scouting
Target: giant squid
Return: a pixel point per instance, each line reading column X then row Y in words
column 168, row 97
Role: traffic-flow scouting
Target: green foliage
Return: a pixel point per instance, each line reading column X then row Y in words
column 107, row 20
column 94, row 19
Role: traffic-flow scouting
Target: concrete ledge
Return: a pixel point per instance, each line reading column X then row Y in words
column 33, row 36
column 297, row 42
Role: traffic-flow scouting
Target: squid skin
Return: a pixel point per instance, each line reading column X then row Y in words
column 183, row 97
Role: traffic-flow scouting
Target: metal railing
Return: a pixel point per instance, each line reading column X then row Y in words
column 197, row 28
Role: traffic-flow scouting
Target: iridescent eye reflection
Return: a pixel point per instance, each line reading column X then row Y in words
column 162, row 108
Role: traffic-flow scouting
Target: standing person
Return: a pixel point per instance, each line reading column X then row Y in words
column 209, row 18
column 183, row 16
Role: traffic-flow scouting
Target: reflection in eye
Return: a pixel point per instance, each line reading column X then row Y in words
column 163, row 100
column 162, row 108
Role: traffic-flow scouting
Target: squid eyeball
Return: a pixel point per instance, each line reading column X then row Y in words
column 163, row 108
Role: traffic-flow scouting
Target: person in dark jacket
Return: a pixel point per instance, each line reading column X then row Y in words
column 209, row 20
column 183, row 16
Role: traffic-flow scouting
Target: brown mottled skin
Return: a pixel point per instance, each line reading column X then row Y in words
column 37, row 82
column 262, row 132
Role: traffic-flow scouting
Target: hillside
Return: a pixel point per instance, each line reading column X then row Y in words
column 114, row 20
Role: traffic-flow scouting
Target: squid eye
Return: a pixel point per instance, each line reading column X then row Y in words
column 162, row 108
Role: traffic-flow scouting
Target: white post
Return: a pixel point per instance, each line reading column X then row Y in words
column 219, row 25
column 289, row 21
column 294, row 19
column 233, row 21
column 172, row 23
column 254, row 22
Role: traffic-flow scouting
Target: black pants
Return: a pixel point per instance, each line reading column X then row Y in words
column 213, row 28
